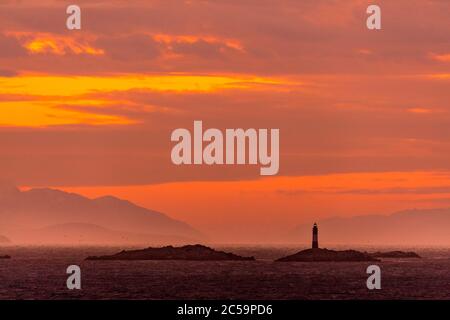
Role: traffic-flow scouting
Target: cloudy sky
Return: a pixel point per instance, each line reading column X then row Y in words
column 363, row 115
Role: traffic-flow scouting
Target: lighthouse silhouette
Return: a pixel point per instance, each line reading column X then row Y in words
column 315, row 237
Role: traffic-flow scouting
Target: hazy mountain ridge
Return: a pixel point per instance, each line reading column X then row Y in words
column 25, row 214
column 80, row 233
column 407, row 227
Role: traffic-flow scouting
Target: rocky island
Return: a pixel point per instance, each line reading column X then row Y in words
column 325, row 255
column 395, row 254
column 316, row 254
column 5, row 257
column 189, row 252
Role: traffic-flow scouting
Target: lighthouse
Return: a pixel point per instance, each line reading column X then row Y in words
column 315, row 236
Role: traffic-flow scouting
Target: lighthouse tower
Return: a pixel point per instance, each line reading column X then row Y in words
column 315, row 237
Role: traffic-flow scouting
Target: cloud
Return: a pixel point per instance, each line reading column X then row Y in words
column 414, row 191
column 419, row 110
column 7, row 73
column 295, row 37
column 36, row 101
column 43, row 114
column 345, row 99
column 135, row 47
column 78, row 85
column 207, row 47
column 441, row 57
column 10, row 48
column 46, row 43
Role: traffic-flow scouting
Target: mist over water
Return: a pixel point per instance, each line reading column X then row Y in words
column 40, row 273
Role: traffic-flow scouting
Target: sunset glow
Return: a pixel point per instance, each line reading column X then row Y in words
column 363, row 116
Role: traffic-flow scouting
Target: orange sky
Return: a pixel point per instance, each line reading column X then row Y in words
column 363, row 116
column 268, row 205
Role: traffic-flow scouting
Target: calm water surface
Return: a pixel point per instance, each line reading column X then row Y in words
column 39, row 273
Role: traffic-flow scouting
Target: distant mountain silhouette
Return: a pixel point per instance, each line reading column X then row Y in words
column 409, row 227
column 49, row 216
column 81, row 233
column 3, row 239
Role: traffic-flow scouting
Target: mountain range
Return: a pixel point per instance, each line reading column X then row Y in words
column 49, row 216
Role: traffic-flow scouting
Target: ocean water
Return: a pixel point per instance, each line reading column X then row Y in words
column 40, row 273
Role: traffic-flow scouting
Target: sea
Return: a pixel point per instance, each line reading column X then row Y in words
column 40, row 273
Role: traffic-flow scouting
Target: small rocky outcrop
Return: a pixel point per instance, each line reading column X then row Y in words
column 190, row 252
column 5, row 257
column 320, row 255
column 395, row 254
